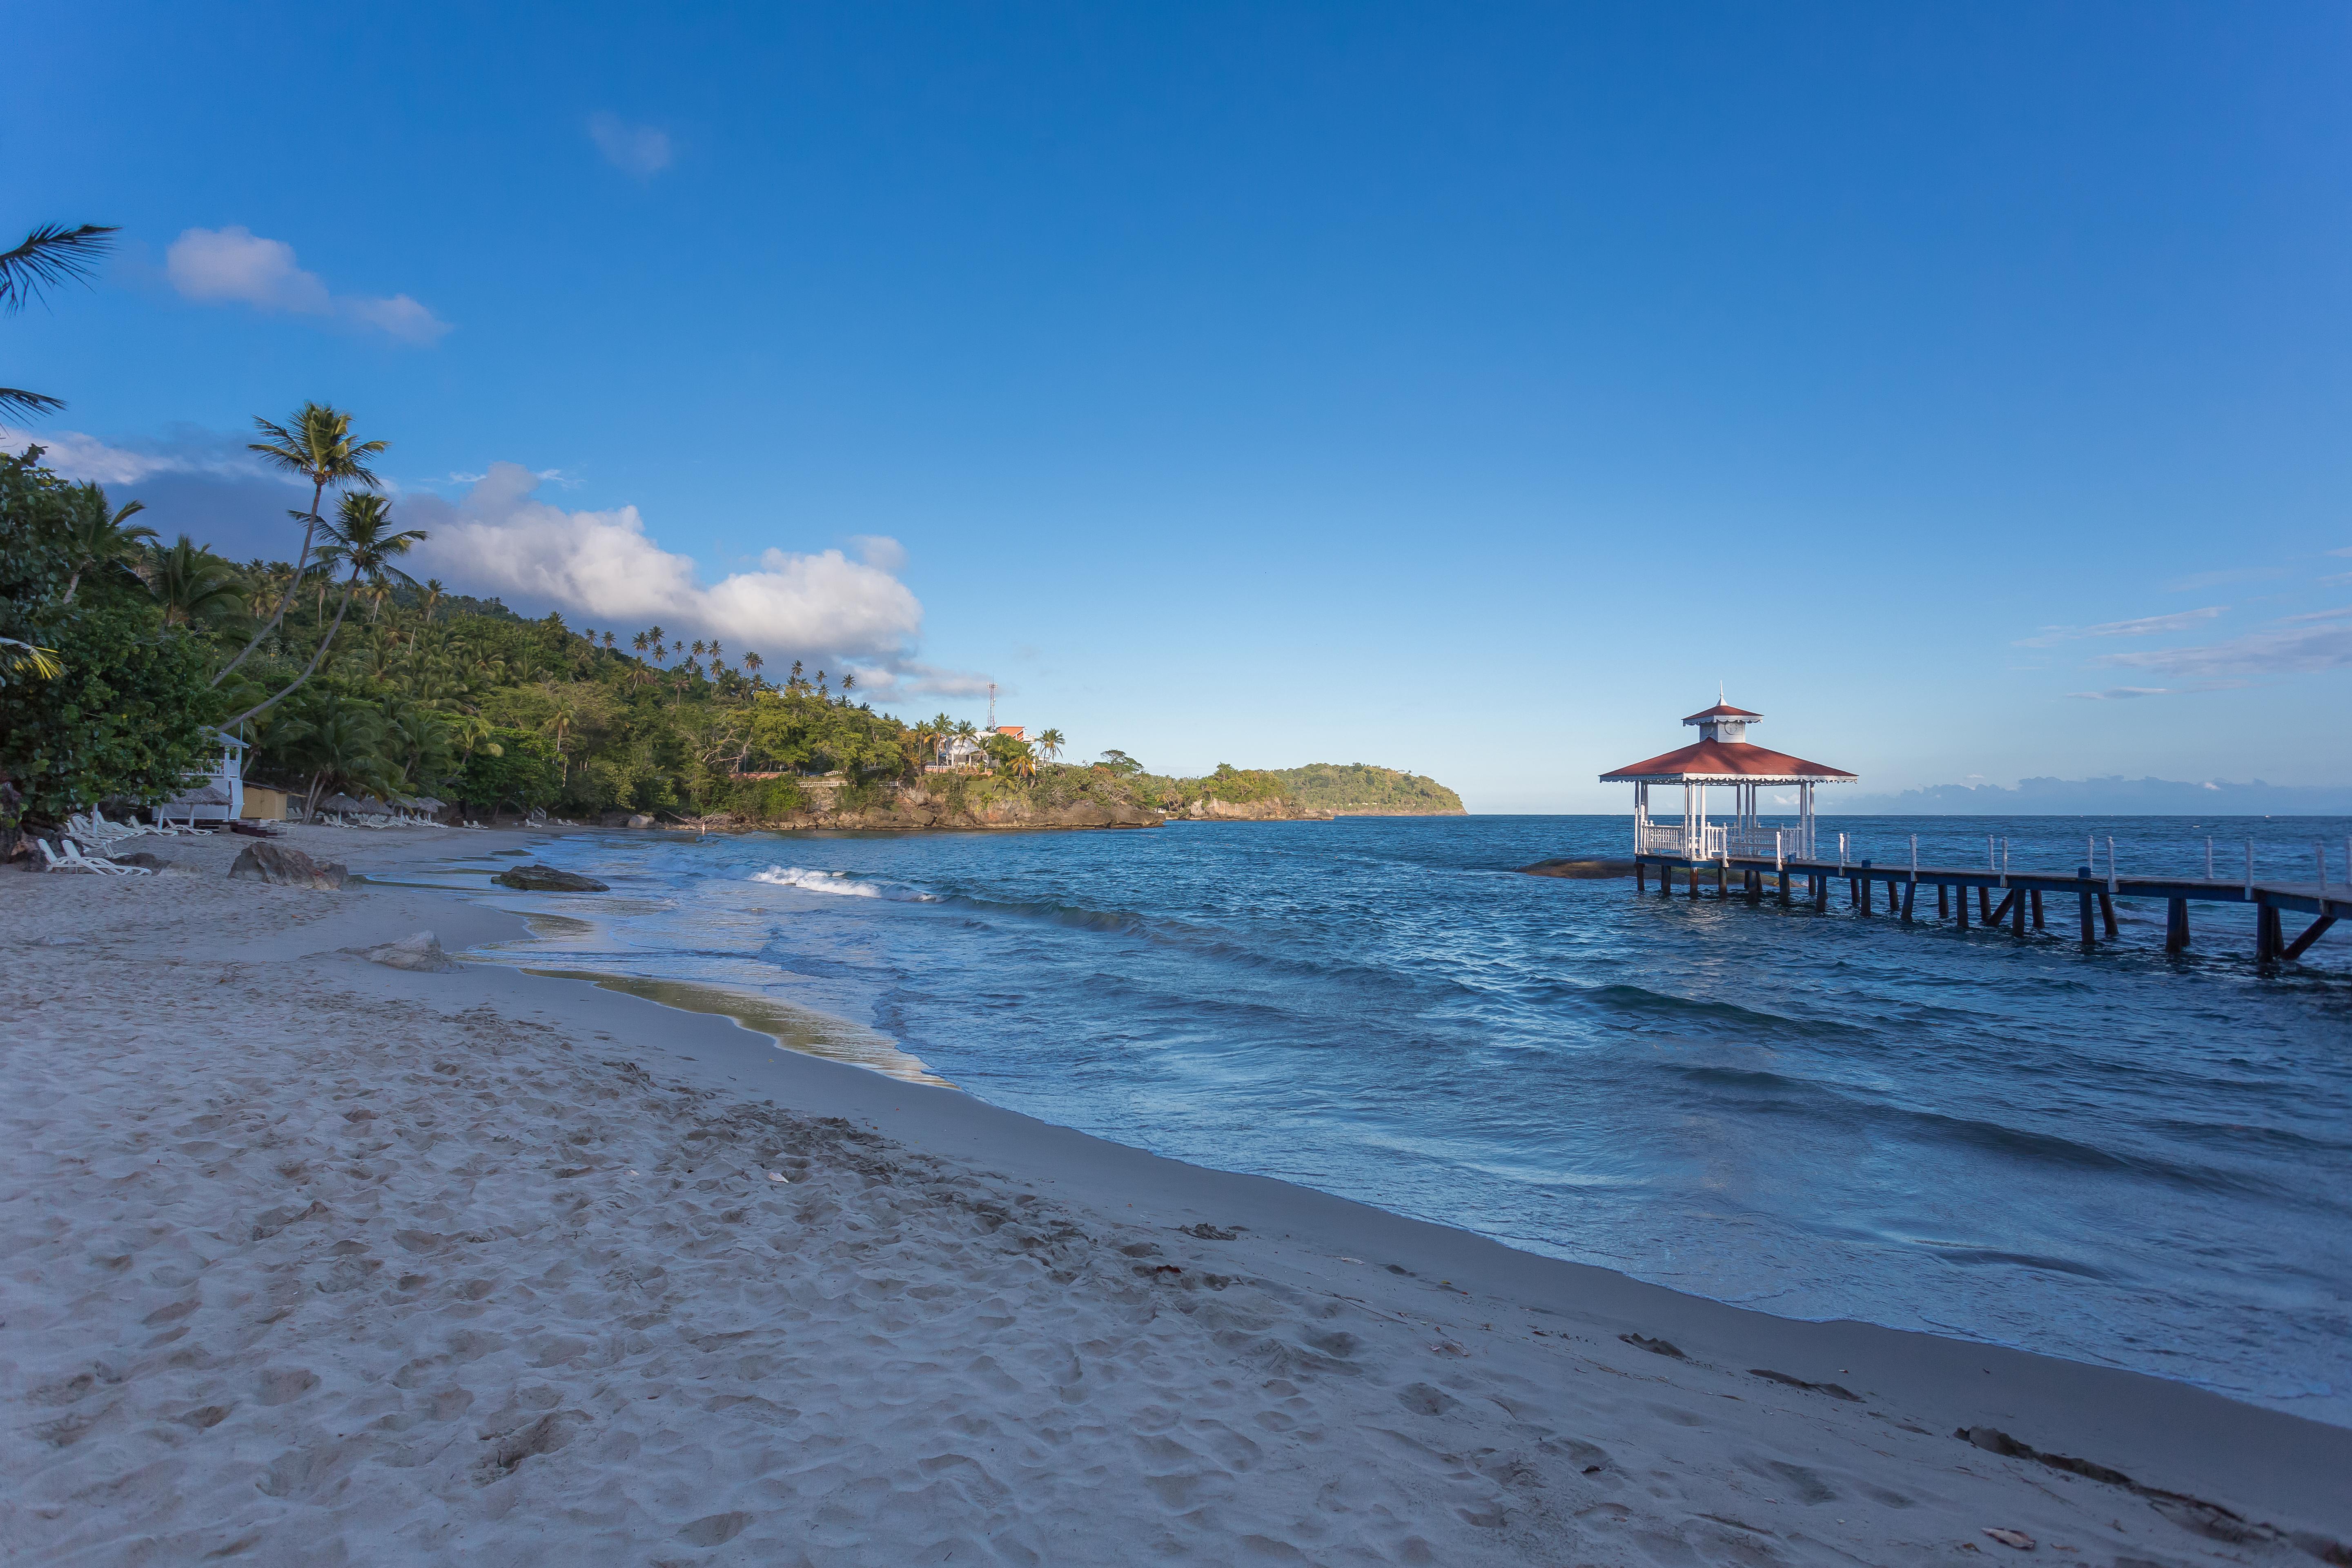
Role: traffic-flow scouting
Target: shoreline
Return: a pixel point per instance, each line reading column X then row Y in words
column 1457, row 1344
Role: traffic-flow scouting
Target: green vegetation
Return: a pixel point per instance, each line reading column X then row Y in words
column 100, row 699
column 1362, row 787
column 342, row 673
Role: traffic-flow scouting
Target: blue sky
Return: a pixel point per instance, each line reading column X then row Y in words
column 1464, row 391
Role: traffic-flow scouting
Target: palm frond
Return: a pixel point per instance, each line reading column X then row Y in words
column 27, row 403
column 42, row 661
column 51, row 254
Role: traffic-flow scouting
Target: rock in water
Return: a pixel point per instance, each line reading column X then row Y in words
column 281, row 867
column 420, row 951
column 1580, row 870
column 548, row 879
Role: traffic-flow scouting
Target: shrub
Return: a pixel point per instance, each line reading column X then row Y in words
column 525, row 772
column 126, row 716
column 766, row 800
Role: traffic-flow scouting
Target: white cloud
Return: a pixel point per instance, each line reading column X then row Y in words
column 2300, row 651
column 81, row 457
column 2122, row 693
column 237, row 266
column 603, row 568
column 640, row 150
column 879, row 550
column 2146, row 626
column 909, row 680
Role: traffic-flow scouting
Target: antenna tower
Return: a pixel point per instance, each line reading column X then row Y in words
column 991, row 706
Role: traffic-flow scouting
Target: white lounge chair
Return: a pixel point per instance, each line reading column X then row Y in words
column 67, row 856
column 58, row 862
column 100, row 862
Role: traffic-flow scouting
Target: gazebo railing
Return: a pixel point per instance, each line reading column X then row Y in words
column 1691, row 841
column 1714, row 842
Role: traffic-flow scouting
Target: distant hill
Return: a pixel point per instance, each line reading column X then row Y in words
column 2115, row 796
column 1362, row 789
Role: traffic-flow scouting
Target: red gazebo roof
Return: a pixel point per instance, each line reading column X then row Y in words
column 1721, row 710
column 1725, row 762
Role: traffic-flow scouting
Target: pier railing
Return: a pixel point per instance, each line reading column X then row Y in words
column 1769, row 843
column 2096, row 882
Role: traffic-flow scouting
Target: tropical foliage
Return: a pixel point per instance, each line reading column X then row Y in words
column 101, row 698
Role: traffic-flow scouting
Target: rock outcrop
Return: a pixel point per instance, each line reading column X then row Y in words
column 1580, row 870
column 421, row 951
column 281, row 865
column 538, row 878
column 1278, row 809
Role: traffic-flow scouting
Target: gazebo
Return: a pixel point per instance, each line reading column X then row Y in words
column 1723, row 755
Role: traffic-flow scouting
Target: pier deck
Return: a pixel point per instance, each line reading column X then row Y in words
column 2023, row 896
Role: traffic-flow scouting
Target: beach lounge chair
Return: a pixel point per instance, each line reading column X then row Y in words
column 100, row 862
column 67, row 856
column 57, row 862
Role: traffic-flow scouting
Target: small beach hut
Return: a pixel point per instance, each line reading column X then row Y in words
column 207, row 802
column 217, row 793
column 1724, row 755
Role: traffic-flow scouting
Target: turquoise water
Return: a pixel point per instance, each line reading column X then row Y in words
column 2121, row 1157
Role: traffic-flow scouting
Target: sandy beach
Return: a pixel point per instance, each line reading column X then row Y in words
column 312, row 1261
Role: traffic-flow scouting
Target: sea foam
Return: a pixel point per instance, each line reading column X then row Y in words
column 840, row 884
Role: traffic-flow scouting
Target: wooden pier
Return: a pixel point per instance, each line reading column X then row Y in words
column 2021, row 901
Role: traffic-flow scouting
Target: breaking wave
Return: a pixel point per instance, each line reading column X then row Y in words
column 841, row 884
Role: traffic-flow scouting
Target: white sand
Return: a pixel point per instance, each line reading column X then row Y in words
column 312, row 1261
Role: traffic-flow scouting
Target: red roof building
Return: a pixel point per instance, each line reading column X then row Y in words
column 1724, row 755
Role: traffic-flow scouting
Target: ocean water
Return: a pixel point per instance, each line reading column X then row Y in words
column 2120, row 1158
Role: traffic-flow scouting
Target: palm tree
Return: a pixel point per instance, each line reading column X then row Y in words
column 609, row 640
column 50, row 254
column 362, row 539
column 429, row 596
column 335, row 739
column 1050, row 744
column 95, row 537
column 194, row 586
column 752, row 662
column 639, row 642
column 559, row 724
column 317, row 445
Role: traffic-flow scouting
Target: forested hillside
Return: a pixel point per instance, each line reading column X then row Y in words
column 345, row 675
column 1361, row 788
